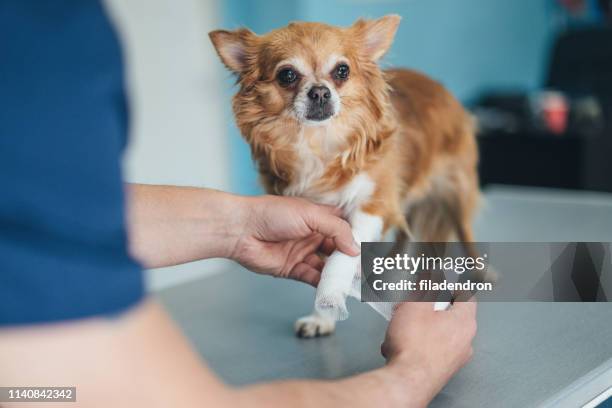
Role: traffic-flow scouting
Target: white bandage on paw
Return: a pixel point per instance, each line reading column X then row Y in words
column 335, row 285
column 338, row 276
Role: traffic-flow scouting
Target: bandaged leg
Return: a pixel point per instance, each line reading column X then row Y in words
column 338, row 280
column 340, row 270
column 335, row 284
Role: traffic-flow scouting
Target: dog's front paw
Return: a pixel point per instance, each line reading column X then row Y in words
column 314, row 326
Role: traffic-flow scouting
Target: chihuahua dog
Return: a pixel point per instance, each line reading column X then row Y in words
column 392, row 148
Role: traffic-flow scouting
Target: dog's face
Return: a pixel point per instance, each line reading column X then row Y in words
column 306, row 73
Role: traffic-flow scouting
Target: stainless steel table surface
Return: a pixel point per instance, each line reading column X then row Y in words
column 526, row 354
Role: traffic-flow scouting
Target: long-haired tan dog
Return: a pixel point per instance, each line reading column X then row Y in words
column 391, row 148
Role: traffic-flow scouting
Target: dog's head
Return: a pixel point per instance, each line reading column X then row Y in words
column 307, row 70
column 307, row 75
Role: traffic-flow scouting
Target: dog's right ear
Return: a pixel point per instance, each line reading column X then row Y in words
column 376, row 35
column 234, row 47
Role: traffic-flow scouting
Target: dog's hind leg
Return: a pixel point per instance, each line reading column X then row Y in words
column 446, row 214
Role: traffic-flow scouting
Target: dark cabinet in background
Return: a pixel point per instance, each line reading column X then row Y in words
column 535, row 159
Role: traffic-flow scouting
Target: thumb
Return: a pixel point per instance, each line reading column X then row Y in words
column 325, row 221
column 467, row 308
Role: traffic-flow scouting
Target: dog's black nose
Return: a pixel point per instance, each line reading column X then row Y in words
column 319, row 94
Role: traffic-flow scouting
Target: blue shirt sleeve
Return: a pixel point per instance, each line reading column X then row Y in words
column 63, row 125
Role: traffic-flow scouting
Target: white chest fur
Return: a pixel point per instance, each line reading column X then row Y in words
column 308, row 169
column 315, row 151
column 350, row 196
column 312, row 165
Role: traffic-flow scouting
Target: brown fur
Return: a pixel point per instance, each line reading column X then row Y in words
column 410, row 135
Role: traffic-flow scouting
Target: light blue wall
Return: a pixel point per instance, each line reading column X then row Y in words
column 469, row 45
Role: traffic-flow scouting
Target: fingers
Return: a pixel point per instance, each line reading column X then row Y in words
column 325, row 221
column 332, row 210
column 306, row 273
column 467, row 308
column 421, row 307
column 307, row 247
column 464, row 314
column 315, row 261
column 327, row 246
column 309, row 269
column 384, row 350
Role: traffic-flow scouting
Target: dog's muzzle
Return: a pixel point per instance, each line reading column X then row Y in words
column 319, row 106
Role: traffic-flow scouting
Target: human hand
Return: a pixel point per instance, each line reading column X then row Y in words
column 428, row 347
column 283, row 235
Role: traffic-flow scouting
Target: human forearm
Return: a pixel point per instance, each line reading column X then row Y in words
column 268, row 234
column 424, row 349
column 390, row 386
column 144, row 349
column 135, row 359
column 171, row 225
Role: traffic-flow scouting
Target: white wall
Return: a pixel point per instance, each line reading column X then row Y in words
column 178, row 135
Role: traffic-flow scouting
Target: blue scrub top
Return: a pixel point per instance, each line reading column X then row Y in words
column 63, row 127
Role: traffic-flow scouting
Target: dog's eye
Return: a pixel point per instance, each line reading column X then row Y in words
column 341, row 71
column 287, row 76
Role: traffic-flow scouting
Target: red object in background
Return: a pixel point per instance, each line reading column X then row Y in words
column 555, row 112
column 574, row 6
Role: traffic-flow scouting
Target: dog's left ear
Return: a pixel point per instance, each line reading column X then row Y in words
column 376, row 35
column 235, row 48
